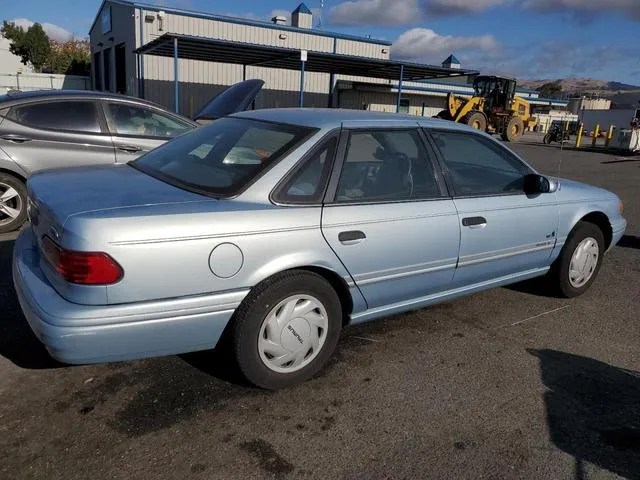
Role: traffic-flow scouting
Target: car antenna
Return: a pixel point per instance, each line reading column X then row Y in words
column 562, row 134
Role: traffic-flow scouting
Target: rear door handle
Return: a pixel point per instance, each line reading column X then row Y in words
column 351, row 237
column 130, row 148
column 15, row 138
column 474, row 222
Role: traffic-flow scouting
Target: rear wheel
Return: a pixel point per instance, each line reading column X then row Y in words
column 287, row 329
column 476, row 119
column 580, row 260
column 547, row 139
column 13, row 203
column 513, row 130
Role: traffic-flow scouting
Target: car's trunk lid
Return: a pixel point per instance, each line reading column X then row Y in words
column 55, row 196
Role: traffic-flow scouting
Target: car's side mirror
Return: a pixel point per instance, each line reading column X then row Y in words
column 535, row 184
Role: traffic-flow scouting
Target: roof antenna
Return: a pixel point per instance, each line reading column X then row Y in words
column 320, row 22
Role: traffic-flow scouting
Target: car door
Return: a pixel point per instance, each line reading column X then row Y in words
column 137, row 129
column 388, row 216
column 56, row 133
column 503, row 231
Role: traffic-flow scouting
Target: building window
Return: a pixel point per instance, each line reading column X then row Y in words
column 405, row 104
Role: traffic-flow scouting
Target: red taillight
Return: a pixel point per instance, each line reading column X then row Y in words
column 84, row 268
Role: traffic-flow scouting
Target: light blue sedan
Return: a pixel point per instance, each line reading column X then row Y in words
column 335, row 218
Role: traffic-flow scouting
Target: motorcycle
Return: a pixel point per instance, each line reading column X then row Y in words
column 556, row 134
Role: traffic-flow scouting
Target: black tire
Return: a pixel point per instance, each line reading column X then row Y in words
column 19, row 202
column 476, row 119
column 248, row 320
column 513, row 129
column 444, row 115
column 559, row 274
column 547, row 139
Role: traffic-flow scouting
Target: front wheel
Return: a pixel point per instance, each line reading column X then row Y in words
column 13, row 203
column 287, row 329
column 547, row 139
column 580, row 260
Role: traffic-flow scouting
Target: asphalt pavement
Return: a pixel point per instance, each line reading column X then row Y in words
column 506, row 384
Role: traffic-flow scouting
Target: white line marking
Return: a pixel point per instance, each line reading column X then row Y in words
column 540, row 315
column 365, row 338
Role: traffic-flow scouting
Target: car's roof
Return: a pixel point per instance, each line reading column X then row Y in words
column 334, row 117
column 19, row 97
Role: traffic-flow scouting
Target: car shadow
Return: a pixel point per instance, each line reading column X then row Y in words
column 538, row 287
column 593, row 411
column 626, row 160
column 629, row 241
column 18, row 344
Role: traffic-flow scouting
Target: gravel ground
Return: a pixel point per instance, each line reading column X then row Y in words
column 506, row 384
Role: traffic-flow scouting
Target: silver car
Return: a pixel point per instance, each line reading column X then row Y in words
column 280, row 227
column 62, row 128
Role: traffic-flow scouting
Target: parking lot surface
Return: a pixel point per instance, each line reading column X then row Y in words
column 505, row 384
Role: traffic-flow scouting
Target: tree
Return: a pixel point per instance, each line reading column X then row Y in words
column 31, row 46
column 551, row 90
column 70, row 58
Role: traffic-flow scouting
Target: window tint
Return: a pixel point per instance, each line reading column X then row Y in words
column 132, row 120
column 222, row 157
column 477, row 167
column 308, row 182
column 77, row 116
column 386, row 165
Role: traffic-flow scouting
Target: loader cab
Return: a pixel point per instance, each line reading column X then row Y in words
column 498, row 92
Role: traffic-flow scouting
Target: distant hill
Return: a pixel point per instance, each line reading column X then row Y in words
column 583, row 86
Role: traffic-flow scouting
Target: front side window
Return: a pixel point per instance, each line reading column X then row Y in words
column 70, row 115
column 476, row 167
column 386, row 166
column 139, row 121
column 222, row 157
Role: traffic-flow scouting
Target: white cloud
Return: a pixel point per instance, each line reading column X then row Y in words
column 376, row 12
column 53, row 31
column 580, row 8
column 425, row 45
column 452, row 7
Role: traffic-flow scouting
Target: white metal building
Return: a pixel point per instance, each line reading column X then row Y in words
column 121, row 27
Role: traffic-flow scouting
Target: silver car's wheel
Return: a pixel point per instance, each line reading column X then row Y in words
column 579, row 262
column 293, row 333
column 583, row 262
column 10, row 204
column 286, row 329
column 13, row 200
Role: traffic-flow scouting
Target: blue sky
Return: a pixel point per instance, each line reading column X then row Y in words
column 528, row 38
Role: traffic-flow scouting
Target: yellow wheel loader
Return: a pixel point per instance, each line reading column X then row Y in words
column 494, row 108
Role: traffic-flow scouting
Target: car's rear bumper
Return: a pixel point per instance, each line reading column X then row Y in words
column 79, row 334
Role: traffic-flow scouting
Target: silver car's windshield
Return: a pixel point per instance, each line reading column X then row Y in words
column 221, row 158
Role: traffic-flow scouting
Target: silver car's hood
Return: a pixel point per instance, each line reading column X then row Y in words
column 89, row 189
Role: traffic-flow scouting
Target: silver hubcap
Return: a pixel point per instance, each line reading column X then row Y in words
column 293, row 333
column 583, row 262
column 10, row 204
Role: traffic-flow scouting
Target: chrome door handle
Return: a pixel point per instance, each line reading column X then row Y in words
column 15, row 138
column 474, row 222
column 130, row 148
column 351, row 237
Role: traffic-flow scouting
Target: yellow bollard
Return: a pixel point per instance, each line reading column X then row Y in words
column 579, row 136
column 596, row 133
column 609, row 135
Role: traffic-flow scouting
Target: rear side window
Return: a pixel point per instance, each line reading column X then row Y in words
column 138, row 121
column 307, row 184
column 73, row 116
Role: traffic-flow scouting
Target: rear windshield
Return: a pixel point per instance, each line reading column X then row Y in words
column 221, row 158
